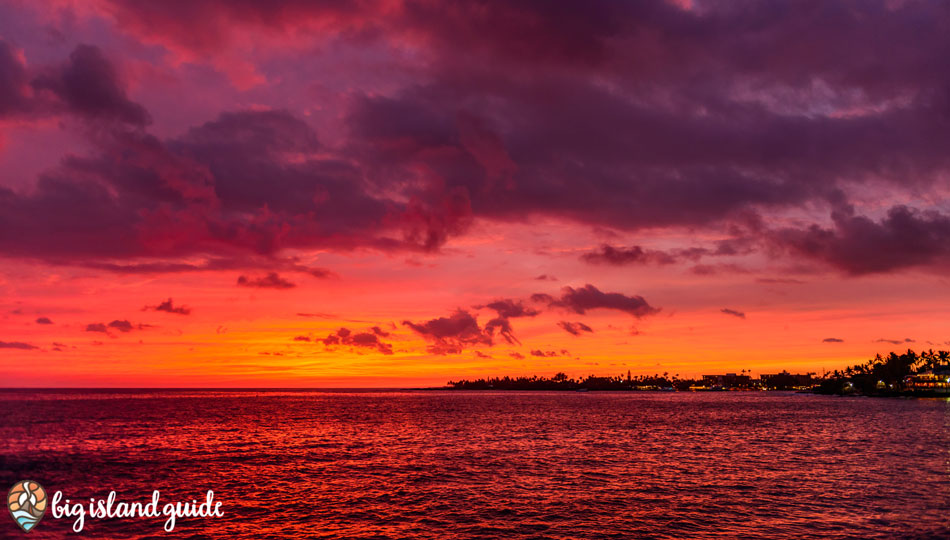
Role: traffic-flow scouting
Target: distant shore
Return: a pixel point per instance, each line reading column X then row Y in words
column 908, row 374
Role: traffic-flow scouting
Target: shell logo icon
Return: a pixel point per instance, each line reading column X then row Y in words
column 27, row 504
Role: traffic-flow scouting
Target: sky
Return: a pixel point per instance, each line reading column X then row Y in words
column 386, row 193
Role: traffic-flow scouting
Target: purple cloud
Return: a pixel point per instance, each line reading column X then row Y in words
column 452, row 334
column 574, row 328
column 588, row 297
column 169, row 307
column 627, row 116
column 88, row 85
column 271, row 281
column 904, row 238
column 17, row 345
column 347, row 337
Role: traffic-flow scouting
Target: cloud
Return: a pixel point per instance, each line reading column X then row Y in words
column 894, row 341
column 452, row 334
column 857, row 245
column 619, row 256
column 545, row 277
column 14, row 88
column 271, row 281
column 516, row 355
column 832, row 340
column 734, row 313
column 17, row 345
column 549, row 354
column 506, row 309
column 319, row 315
column 43, row 320
column 687, row 119
column 347, row 337
column 200, row 194
column 97, row 327
column 574, row 328
column 169, row 307
column 588, row 297
column 302, row 338
column 88, row 84
column 510, row 309
column 121, row 325
column 623, row 256
column 321, row 273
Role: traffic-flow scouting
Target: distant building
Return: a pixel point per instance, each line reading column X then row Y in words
column 936, row 381
column 788, row 381
column 729, row 380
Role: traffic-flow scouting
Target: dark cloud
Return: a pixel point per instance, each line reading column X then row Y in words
column 894, row 341
column 502, row 327
column 347, row 337
column 43, row 320
column 97, row 327
column 622, row 256
column 88, row 84
column 271, row 281
column 671, row 152
column 140, row 197
column 832, row 340
column 169, row 307
column 619, row 256
column 510, row 309
column 545, row 277
column 14, row 98
column 734, row 313
column 122, row 326
column 574, row 328
column 904, row 238
column 549, row 354
column 506, row 309
column 453, row 334
column 516, row 355
column 623, row 115
column 319, row 315
column 17, row 345
column 321, row 273
column 302, row 338
column 588, row 297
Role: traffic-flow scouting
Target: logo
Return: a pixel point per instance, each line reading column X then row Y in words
column 27, row 504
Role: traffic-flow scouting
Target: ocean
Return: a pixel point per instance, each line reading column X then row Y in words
column 512, row 465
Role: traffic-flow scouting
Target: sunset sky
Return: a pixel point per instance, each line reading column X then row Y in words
column 399, row 193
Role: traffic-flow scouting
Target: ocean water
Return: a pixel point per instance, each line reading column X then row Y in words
column 447, row 465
